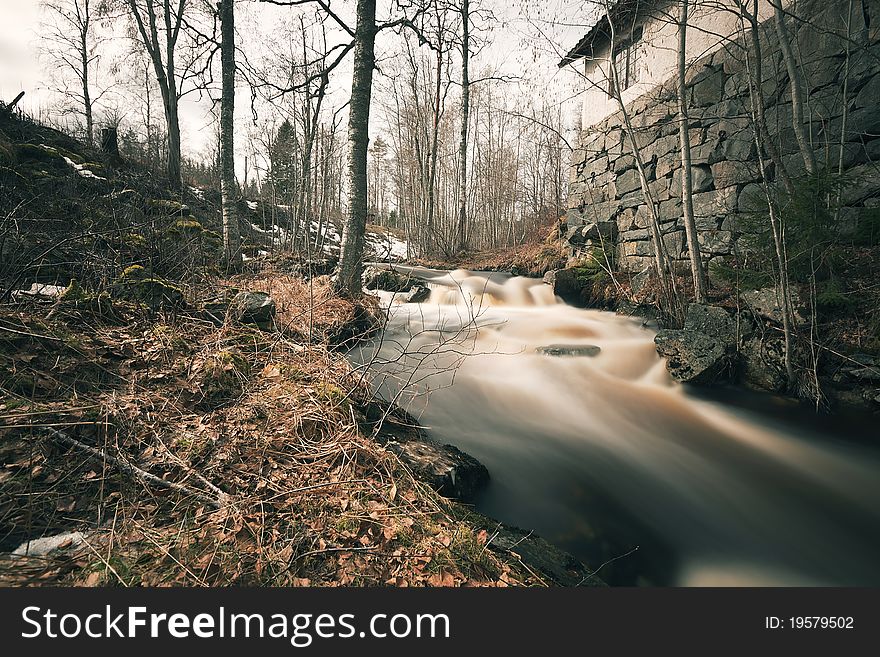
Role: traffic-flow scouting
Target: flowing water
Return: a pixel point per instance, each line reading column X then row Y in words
column 604, row 455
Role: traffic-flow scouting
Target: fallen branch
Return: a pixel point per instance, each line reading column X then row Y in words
column 128, row 468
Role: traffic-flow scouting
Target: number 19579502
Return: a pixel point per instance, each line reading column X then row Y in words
column 809, row 623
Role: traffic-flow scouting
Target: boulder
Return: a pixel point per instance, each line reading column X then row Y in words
column 252, row 308
column 764, row 364
column 445, row 468
column 767, row 303
column 702, row 352
column 390, row 280
column 712, row 321
column 693, row 357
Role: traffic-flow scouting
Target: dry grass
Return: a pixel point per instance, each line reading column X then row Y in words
column 305, row 496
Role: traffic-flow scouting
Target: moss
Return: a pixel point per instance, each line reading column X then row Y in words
column 223, row 377
column 38, row 153
column 133, row 240
column 70, row 155
column 186, row 226
column 136, row 284
column 73, row 293
column 133, row 273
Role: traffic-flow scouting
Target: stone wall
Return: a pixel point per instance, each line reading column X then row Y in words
column 605, row 195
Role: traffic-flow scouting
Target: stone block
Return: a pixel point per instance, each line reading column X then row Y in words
column 752, row 199
column 732, row 172
column 701, row 177
column 628, row 182
column 717, row 242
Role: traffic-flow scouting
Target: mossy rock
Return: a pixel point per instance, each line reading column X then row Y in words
column 132, row 240
column 167, row 207
column 39, row 160
column 73, row 157
column 222, row 377
column 186, row 226
column 73, row 293
column 138, row 285
column 376, row 278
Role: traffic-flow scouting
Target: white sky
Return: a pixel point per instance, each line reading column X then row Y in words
column 511, row 52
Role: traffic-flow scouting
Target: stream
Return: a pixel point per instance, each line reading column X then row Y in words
column 592, row 445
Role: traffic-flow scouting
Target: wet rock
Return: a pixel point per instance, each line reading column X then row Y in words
column 540, row 556
column 445, row 468
column 569, row 350
column 702, row 352
column 693, row 357
column 865, row 374
column 764, row 364
column 418, row 294
column 252, row 308
column 594, row 232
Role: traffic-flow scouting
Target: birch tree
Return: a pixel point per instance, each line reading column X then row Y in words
column 228, row 186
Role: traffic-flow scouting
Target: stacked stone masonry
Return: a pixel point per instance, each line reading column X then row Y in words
column 605, row 193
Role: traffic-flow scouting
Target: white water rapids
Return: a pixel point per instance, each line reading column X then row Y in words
column 604, row 453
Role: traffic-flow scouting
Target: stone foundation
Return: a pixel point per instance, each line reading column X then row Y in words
column 605, row 195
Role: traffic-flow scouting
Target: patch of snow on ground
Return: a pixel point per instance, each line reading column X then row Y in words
column 81, row 169
column 198, row 193
column 253, row 205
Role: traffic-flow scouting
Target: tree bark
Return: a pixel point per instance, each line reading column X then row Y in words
column 228, row 186
column 351, row 259
column 687, row 188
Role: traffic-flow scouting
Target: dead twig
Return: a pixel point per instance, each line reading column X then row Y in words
column 128, row 468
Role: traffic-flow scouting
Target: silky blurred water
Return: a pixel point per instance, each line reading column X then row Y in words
column 606, row 456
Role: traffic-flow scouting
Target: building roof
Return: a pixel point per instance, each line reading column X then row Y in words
column 618, row 14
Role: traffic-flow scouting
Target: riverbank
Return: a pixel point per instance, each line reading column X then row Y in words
column 199, row 447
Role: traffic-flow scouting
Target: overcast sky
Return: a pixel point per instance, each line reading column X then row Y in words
column 513, row 51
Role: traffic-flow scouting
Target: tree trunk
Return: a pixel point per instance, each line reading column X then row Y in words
column 797, row 92
column 228, row 187
column 687, row 188
column 87, row 99
column 462, row 237
column 351, row 258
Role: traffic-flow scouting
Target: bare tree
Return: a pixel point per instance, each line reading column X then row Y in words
column 159, row 25
column 72, row 44
column 462, row 241
column 687, row 188
column 797, row 91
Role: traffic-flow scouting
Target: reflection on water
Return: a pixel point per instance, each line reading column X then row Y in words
column 604, row 453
